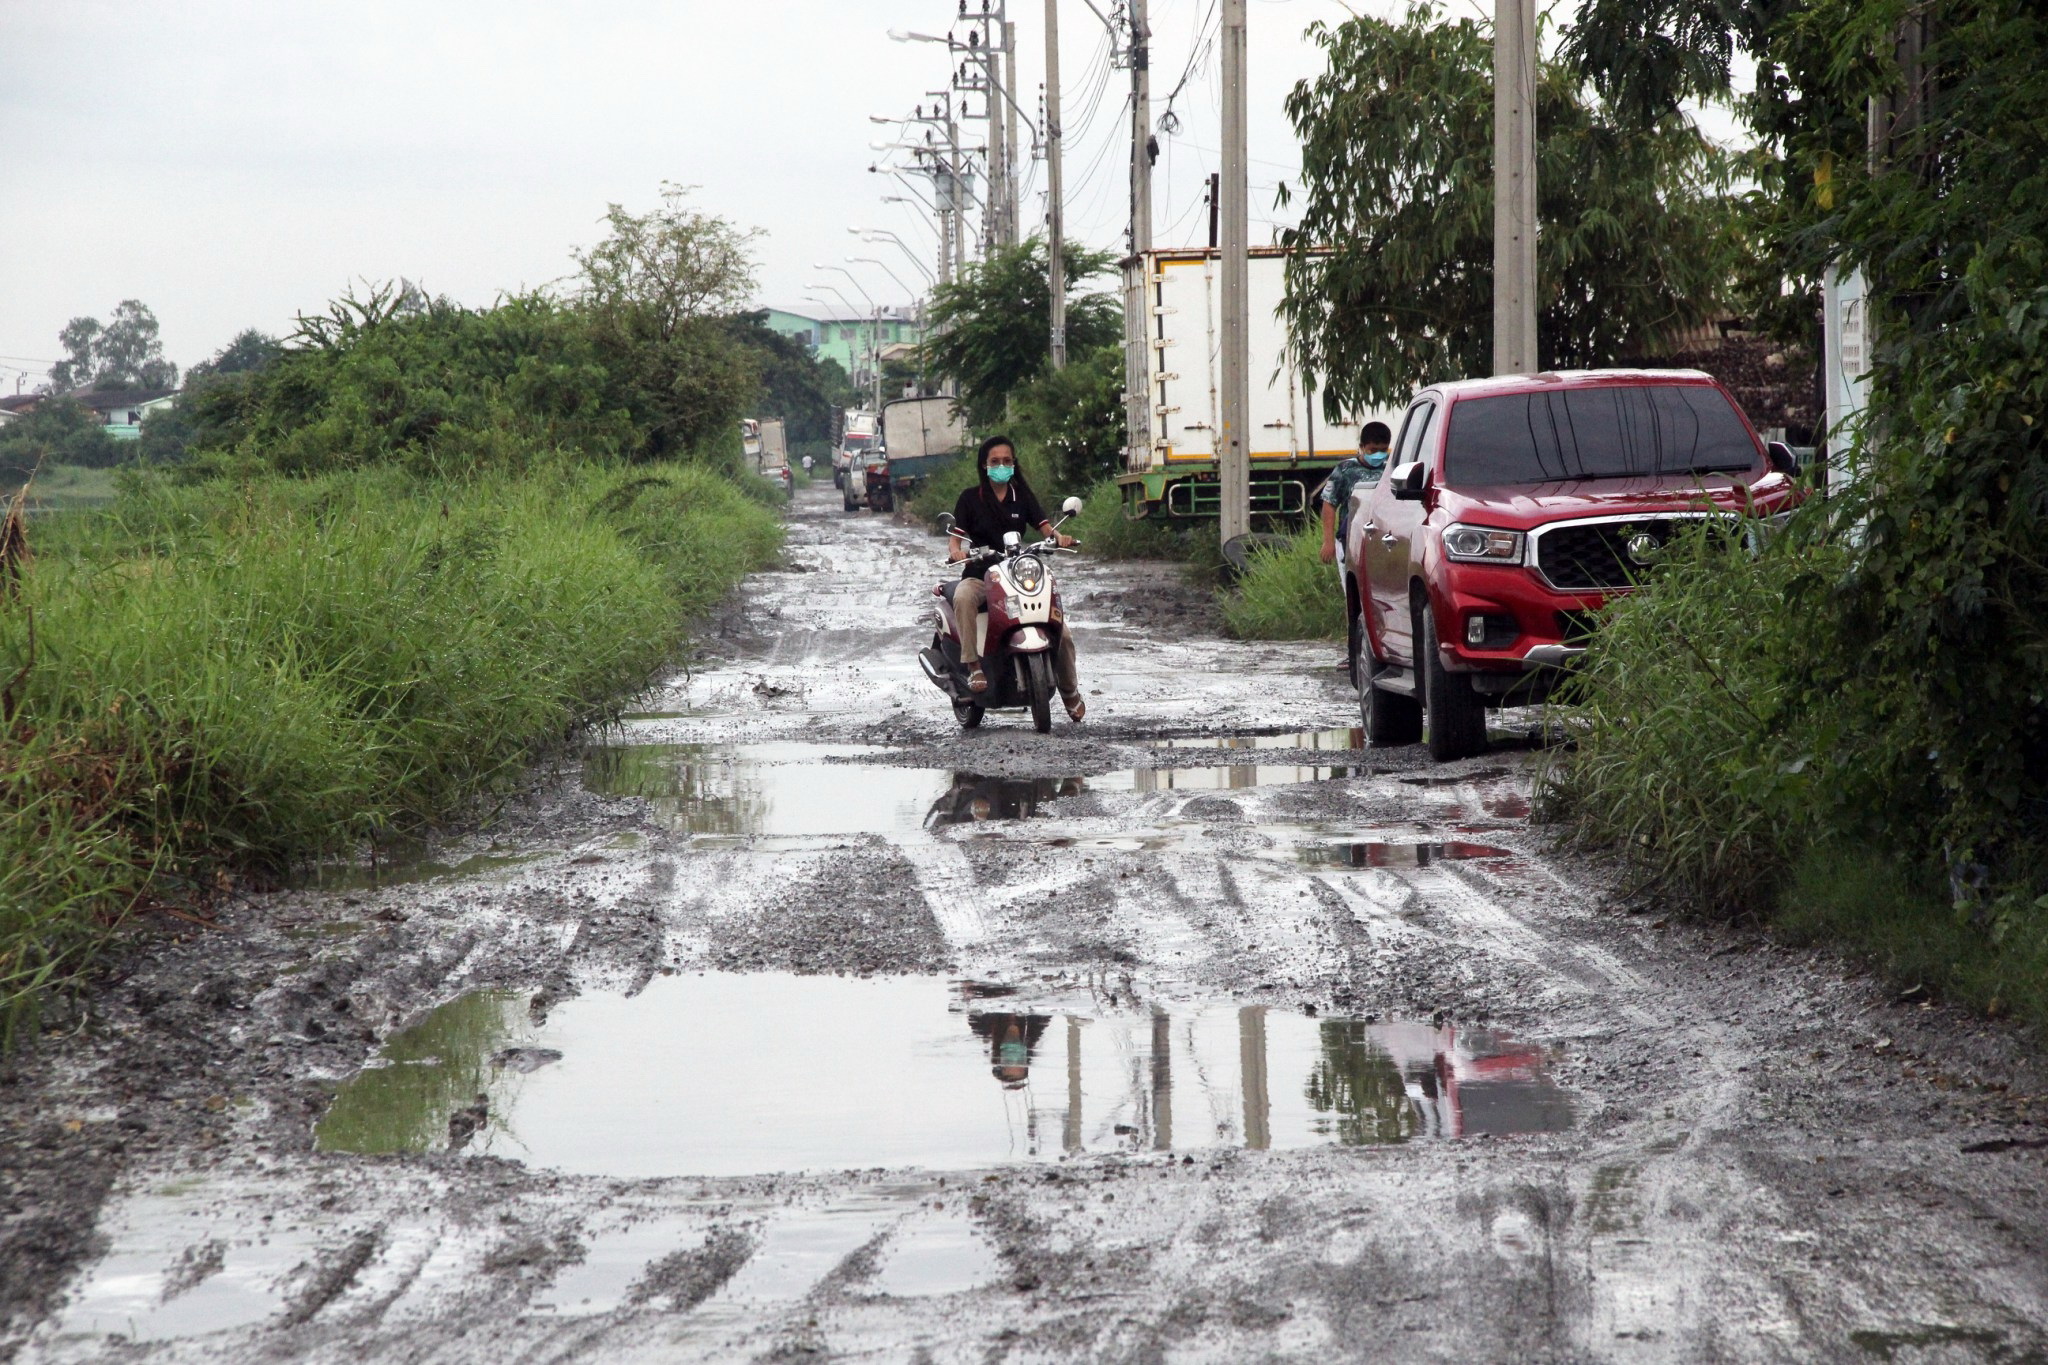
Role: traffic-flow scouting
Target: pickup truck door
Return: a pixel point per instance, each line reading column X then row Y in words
column 1386, row 535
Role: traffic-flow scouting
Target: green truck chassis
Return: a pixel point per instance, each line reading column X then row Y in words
column 1188, row 490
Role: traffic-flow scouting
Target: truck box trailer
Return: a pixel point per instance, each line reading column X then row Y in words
column 920, row 435
column 1172, row 363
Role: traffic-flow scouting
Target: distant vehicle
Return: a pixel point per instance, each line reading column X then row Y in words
column 857, row 436
column 771, row 459
column 1511, row 511
column 920, row 435
column 750, row 440
column 855, row 448
column 1171, row 377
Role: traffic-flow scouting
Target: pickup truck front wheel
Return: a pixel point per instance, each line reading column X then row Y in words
column 1457, row 714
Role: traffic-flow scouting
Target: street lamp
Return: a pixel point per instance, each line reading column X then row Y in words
column 884, row 235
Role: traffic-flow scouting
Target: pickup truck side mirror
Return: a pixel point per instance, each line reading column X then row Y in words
column 1406, row 480
column 1782, row 459
column 1072, row 507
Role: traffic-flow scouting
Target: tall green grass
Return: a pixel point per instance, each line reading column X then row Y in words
column 1287, row 593
column 225, row 679
column 1734, row 765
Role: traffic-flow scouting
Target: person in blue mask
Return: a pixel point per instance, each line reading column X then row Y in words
column 1364, row 467
column 1001, row 501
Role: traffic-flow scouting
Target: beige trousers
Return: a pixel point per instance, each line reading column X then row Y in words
column 968, row 600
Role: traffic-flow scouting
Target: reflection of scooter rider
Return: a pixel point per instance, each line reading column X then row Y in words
column 1011, row 1037
column 1367, row 464
column 1001, row 502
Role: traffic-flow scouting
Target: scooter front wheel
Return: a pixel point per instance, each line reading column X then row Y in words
column 1038, row 671
column 968, row 714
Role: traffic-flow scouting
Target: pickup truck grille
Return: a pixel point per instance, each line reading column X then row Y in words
column 1594, row 557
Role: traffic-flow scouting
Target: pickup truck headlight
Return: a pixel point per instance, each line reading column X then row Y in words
column 1483, row 545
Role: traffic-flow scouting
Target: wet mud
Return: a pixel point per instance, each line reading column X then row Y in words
column 785, row 1018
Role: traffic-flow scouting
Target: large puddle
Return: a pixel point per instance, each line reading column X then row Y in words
column 737, row 1074
column 810, row 790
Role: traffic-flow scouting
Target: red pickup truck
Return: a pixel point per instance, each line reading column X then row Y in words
column 1511, row 510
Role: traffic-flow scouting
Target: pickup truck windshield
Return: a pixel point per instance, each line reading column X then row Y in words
column 1595, row 433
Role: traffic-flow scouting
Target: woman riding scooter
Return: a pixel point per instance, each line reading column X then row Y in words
column 1001, row 502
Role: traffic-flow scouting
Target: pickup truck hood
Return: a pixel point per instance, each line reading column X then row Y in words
column 1534, row 504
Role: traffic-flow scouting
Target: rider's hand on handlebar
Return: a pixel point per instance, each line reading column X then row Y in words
column 1064, row 541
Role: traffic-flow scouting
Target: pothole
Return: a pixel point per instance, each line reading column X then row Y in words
column 748, row 1073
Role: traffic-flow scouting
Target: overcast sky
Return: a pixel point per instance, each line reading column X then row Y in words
column 233, row 162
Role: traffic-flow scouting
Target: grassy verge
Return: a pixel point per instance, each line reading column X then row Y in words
column 1287, row 593
column 227, row 679
column 1735, row 768
column 70, row 485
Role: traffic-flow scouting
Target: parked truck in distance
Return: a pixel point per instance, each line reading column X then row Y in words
column 918, row 436
column 772, row 459
column 1172, row 358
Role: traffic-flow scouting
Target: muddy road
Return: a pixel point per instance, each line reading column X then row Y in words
column 787, row 1020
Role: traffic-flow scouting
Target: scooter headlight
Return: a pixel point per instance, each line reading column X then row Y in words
column 1029, row 573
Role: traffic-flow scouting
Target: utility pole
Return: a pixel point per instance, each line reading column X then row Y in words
column 1233, row 462
column 998, row 157
column 1141, row 129
column 1514, row 187
column 1011, row 179
column 1055, row 207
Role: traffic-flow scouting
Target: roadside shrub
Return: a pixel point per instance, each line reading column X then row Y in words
column 236, row 678
column 1286, row 593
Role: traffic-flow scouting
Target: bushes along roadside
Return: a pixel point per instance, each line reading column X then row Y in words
column 228, row 678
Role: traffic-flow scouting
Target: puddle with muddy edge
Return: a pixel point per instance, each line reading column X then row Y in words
column 1384, row 853
column 722, row 1074
column 799, row 790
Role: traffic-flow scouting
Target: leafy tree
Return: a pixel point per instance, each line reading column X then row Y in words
column 250, row 350
column 55, row 431
column 215, row 399
column 1636, row 224
column 655, row 293
column 794, row 385
column 1074, row 418
column 990, row 331
column 1917, row 725
column 122, row 353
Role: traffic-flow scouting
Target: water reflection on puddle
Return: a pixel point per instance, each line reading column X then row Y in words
column 735, row 1074
column 1353, row 738
column 1381, row 853
column 799, row 790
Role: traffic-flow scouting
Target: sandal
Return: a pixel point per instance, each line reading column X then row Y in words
column 1076, row 707
column 977, row 681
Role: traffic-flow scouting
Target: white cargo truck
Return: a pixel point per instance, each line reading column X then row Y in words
column 1172, row 350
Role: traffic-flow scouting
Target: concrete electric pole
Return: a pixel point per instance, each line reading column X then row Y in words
column 1141, row 129
column 1514, row 187
column 1055, row 207
column 1233, row 449
column 1010, row 174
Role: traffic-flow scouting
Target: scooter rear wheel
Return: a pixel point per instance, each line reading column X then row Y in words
column 968, row 714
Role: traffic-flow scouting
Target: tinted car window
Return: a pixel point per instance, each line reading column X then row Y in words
column 1596, row 433
column 1411, row 433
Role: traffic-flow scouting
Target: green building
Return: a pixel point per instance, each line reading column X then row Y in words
column 852, row 341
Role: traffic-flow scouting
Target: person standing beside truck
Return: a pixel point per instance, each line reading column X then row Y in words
column 1368, row 464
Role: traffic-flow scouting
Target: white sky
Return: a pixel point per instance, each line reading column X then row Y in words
column 233, row 162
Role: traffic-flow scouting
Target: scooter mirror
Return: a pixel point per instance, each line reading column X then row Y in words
column 1072, row 507
column 945, row 523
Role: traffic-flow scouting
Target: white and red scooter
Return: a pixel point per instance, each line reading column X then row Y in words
column 1019, row 630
